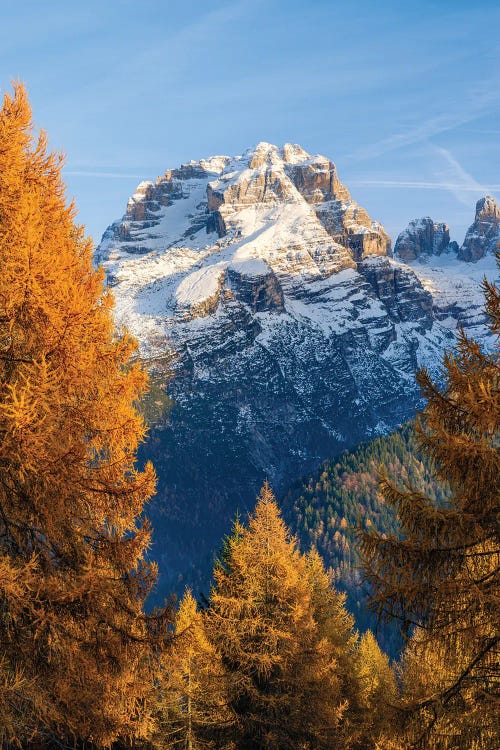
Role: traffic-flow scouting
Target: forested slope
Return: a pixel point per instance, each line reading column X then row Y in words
column 325, row 508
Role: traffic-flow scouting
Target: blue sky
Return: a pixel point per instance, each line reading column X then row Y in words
column 403, row 96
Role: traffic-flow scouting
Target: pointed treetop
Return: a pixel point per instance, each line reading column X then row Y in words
column 267, row 521
column 188, row 609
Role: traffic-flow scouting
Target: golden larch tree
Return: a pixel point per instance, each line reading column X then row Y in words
column 76, row 655
column 366, row 678
column 425, row 671
column 374, row 706
column 442, row 574
column 286, row 686
column 193, row 706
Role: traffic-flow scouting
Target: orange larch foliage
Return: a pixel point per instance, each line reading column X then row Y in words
column 193, row 708
column 76, row 655
column 286, row 684
column 442, row 573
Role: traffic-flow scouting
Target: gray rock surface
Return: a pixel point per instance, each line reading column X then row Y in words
column 423, row 237
column 483, row 236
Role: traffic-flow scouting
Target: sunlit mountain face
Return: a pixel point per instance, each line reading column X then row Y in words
column 271, row 310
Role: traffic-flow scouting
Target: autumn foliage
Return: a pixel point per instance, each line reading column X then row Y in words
column 443, row 575
column 273, row 661
column 193, row 706
column 75, row 659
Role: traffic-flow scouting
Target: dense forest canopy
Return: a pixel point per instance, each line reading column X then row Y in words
column 326, row 509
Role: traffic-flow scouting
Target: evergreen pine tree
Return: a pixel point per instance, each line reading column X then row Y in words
column 75, row 661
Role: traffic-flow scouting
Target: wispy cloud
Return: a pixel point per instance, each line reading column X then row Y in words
column 168, row 57
column 460, row 182
column 482, row 131
column 477, row 104
column 419, row 133
column 98, row 173
column 423, row 185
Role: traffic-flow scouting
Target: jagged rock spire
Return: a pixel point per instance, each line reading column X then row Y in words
column 483, row 235
column 423, row 237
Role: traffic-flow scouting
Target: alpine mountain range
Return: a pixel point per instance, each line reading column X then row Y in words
column 273, row 311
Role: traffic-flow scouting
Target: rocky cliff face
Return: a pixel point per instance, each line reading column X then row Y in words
column 483, row 236
column 423, row 237
column 450, row 273
column 288, row 330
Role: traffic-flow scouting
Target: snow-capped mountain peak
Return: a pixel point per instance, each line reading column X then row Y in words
column 180, row 234
column 290, row 330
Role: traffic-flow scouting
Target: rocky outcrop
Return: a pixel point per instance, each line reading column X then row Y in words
column 399, row 290
column 423, row 237
column 143, row 227
column 256, row 285
column 347, row 223
column 483, row 236
column 351, row 226
column 315, row 178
